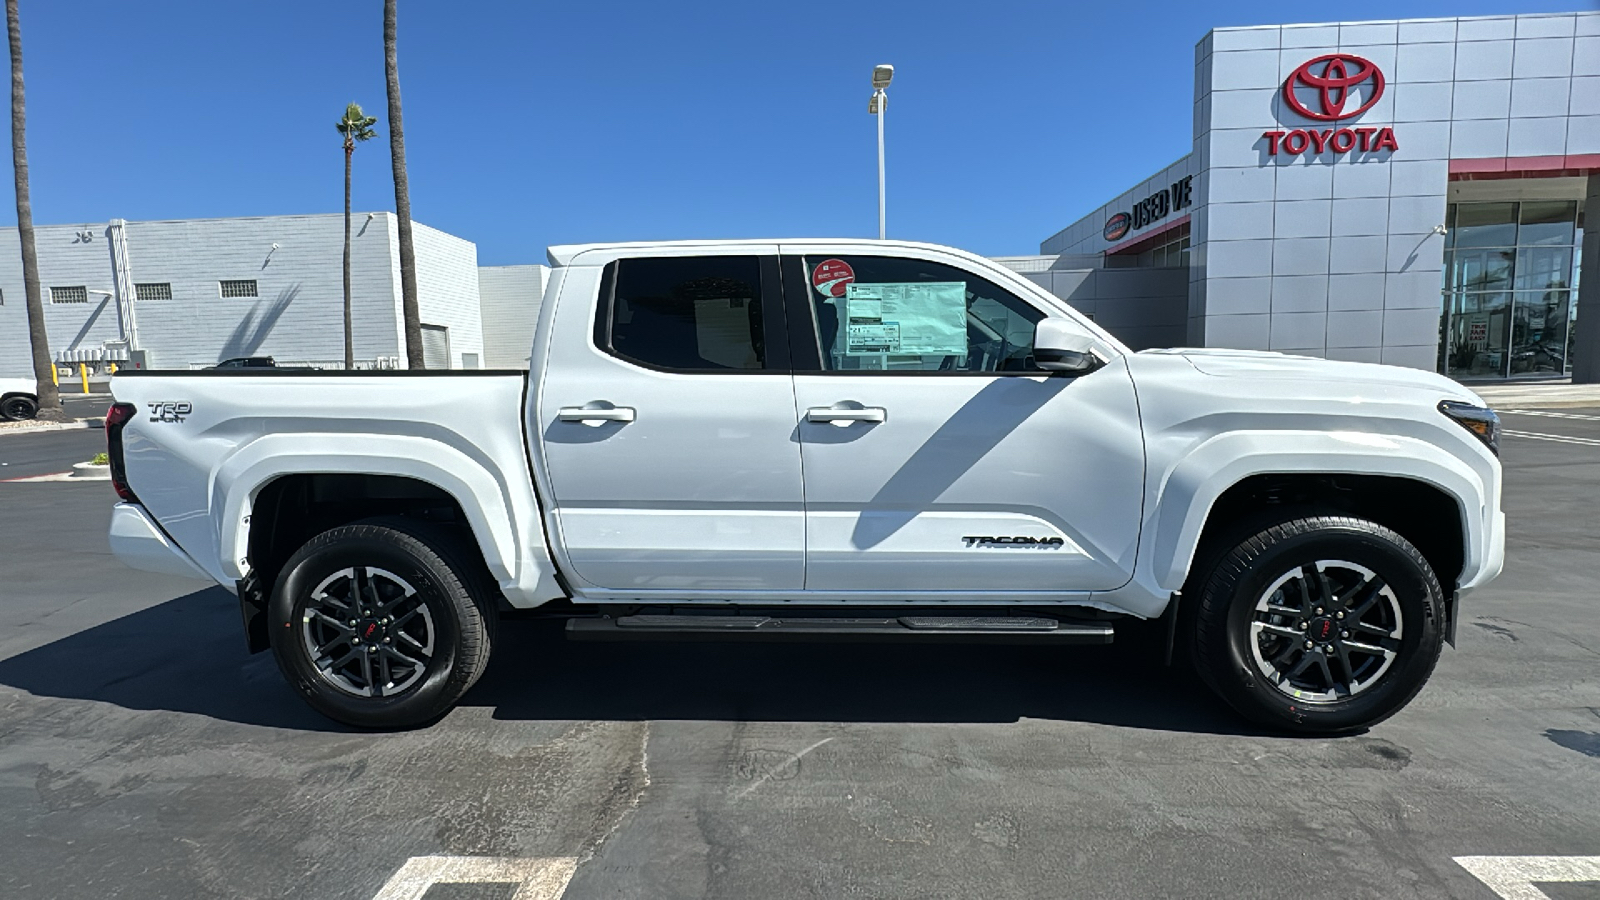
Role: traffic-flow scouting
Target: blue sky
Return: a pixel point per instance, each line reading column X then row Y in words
column 529, row 123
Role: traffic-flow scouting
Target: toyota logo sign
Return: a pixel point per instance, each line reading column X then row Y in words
column 1117, row 226
column 1333, row 87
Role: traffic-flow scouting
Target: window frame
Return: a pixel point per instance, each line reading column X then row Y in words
column 155, row 284
column 255, row 285
column 806, row 354
column 68, row 287
column 773, row 318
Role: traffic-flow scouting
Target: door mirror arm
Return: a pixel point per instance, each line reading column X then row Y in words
column 1061, row 349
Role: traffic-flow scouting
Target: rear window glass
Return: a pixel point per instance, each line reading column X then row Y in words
column 689, row 313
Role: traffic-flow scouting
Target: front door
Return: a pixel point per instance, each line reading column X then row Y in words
column 938, row 459
column 667, row 424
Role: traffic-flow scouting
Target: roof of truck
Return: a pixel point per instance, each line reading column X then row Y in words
column 564, row 254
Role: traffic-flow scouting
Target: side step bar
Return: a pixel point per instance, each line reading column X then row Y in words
column 955, row 629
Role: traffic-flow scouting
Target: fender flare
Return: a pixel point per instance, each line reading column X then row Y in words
column 483, row 498
column 1186, row 496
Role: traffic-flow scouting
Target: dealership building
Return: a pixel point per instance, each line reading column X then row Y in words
column 1408, row 192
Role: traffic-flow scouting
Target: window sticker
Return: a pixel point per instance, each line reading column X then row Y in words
column 927, row 318
column 831, row 276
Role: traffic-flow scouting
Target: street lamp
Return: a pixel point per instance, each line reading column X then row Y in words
column 881, row 76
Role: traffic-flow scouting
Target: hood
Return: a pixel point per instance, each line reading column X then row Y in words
column 1267, row 364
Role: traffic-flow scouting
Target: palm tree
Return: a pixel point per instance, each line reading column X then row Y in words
column 356, row 125
column 38, row 338
column 402, row 196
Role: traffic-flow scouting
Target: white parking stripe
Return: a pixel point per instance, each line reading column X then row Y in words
column 1548, row 414
column 1558, row 438
column 536, row 879
column 1513, row 877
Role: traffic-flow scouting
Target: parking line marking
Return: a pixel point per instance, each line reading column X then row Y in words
column 1558, row 438
column 1549, row 414
column 536, row 879
column 1513, row 877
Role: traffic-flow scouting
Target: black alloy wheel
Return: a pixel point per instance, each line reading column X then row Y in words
column 1318, row 625
column 383, row 624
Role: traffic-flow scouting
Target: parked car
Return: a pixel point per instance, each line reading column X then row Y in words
column 18, row 398
column 247, row 362
column 824, row 440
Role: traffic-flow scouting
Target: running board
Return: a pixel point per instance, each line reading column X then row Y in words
column 955, row 629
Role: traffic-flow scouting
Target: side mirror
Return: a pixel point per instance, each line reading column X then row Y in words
column 1060, row 346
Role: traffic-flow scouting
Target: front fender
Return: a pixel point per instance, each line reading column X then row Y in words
column 1184, row 499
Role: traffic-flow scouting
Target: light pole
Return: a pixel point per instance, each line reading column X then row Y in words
column 881, row 76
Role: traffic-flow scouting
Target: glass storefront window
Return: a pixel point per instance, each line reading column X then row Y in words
column 1543, row 268
column 1477, row 334
column 1510, row 278
column 1539, row 332
column 1485, row 225
column 1548, row 222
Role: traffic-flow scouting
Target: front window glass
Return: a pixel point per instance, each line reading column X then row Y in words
column 891, row 314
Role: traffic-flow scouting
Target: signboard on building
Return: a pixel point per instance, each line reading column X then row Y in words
column 1331, row 88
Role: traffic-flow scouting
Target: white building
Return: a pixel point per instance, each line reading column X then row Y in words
column 509, row 297
column 191, row 293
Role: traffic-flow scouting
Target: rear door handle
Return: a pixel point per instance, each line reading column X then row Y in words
column 842, row 416
column 587, row 414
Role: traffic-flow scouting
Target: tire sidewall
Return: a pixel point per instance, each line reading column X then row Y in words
column 326, row 555
column 1414, row 588
column 11, row 406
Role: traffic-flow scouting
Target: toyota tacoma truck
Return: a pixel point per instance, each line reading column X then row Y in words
column 823, row 440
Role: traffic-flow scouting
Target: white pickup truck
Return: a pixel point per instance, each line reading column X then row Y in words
column 19, row 398
column 826, row 440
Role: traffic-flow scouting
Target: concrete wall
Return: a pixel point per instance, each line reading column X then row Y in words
column 297, row 315
column 1143, row 308
column 447, row 287
column 509, row 297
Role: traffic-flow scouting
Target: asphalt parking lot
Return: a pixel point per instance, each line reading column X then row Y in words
column 144, row 754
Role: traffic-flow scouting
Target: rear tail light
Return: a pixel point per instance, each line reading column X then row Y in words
column 116, row 417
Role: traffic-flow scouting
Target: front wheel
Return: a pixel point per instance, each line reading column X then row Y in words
column 1320, row 625
column 381, row 624
column 18, row 407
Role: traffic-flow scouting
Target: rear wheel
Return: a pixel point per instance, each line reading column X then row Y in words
column 1319, row 625
column 18, row 406
column 382, row 624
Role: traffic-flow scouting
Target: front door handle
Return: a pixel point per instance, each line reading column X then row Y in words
column 842, row 416
column 594, row 414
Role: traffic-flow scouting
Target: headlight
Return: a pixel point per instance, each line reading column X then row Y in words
column 1482, row 422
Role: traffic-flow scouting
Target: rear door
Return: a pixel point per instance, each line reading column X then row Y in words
column 666, row 420
column 937, row 457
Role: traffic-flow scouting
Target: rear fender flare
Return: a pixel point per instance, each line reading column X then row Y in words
column 482, row 497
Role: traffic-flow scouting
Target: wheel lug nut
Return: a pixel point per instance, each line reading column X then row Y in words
column 1309, row 645
column 352, row 623
column 386, row 640
column 356, row 641
column 1303, row 626
column 1344, row 634
column 1339, row 614
column 1319, row 610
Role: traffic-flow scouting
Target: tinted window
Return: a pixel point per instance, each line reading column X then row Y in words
column 691, row 312
column 882, row 313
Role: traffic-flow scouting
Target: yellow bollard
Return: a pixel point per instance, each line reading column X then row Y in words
column 113, row 368
column 83, row 372
column 55, row 374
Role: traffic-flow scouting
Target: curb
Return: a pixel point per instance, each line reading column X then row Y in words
column 76, row 425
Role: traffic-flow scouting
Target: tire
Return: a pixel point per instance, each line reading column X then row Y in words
column 432, row 625
column 1364, row 597
column 18, row 406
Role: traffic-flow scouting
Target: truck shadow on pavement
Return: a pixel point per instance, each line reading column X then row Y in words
column 187, row 655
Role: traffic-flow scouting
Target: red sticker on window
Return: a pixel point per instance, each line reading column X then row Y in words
column 830, row 277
